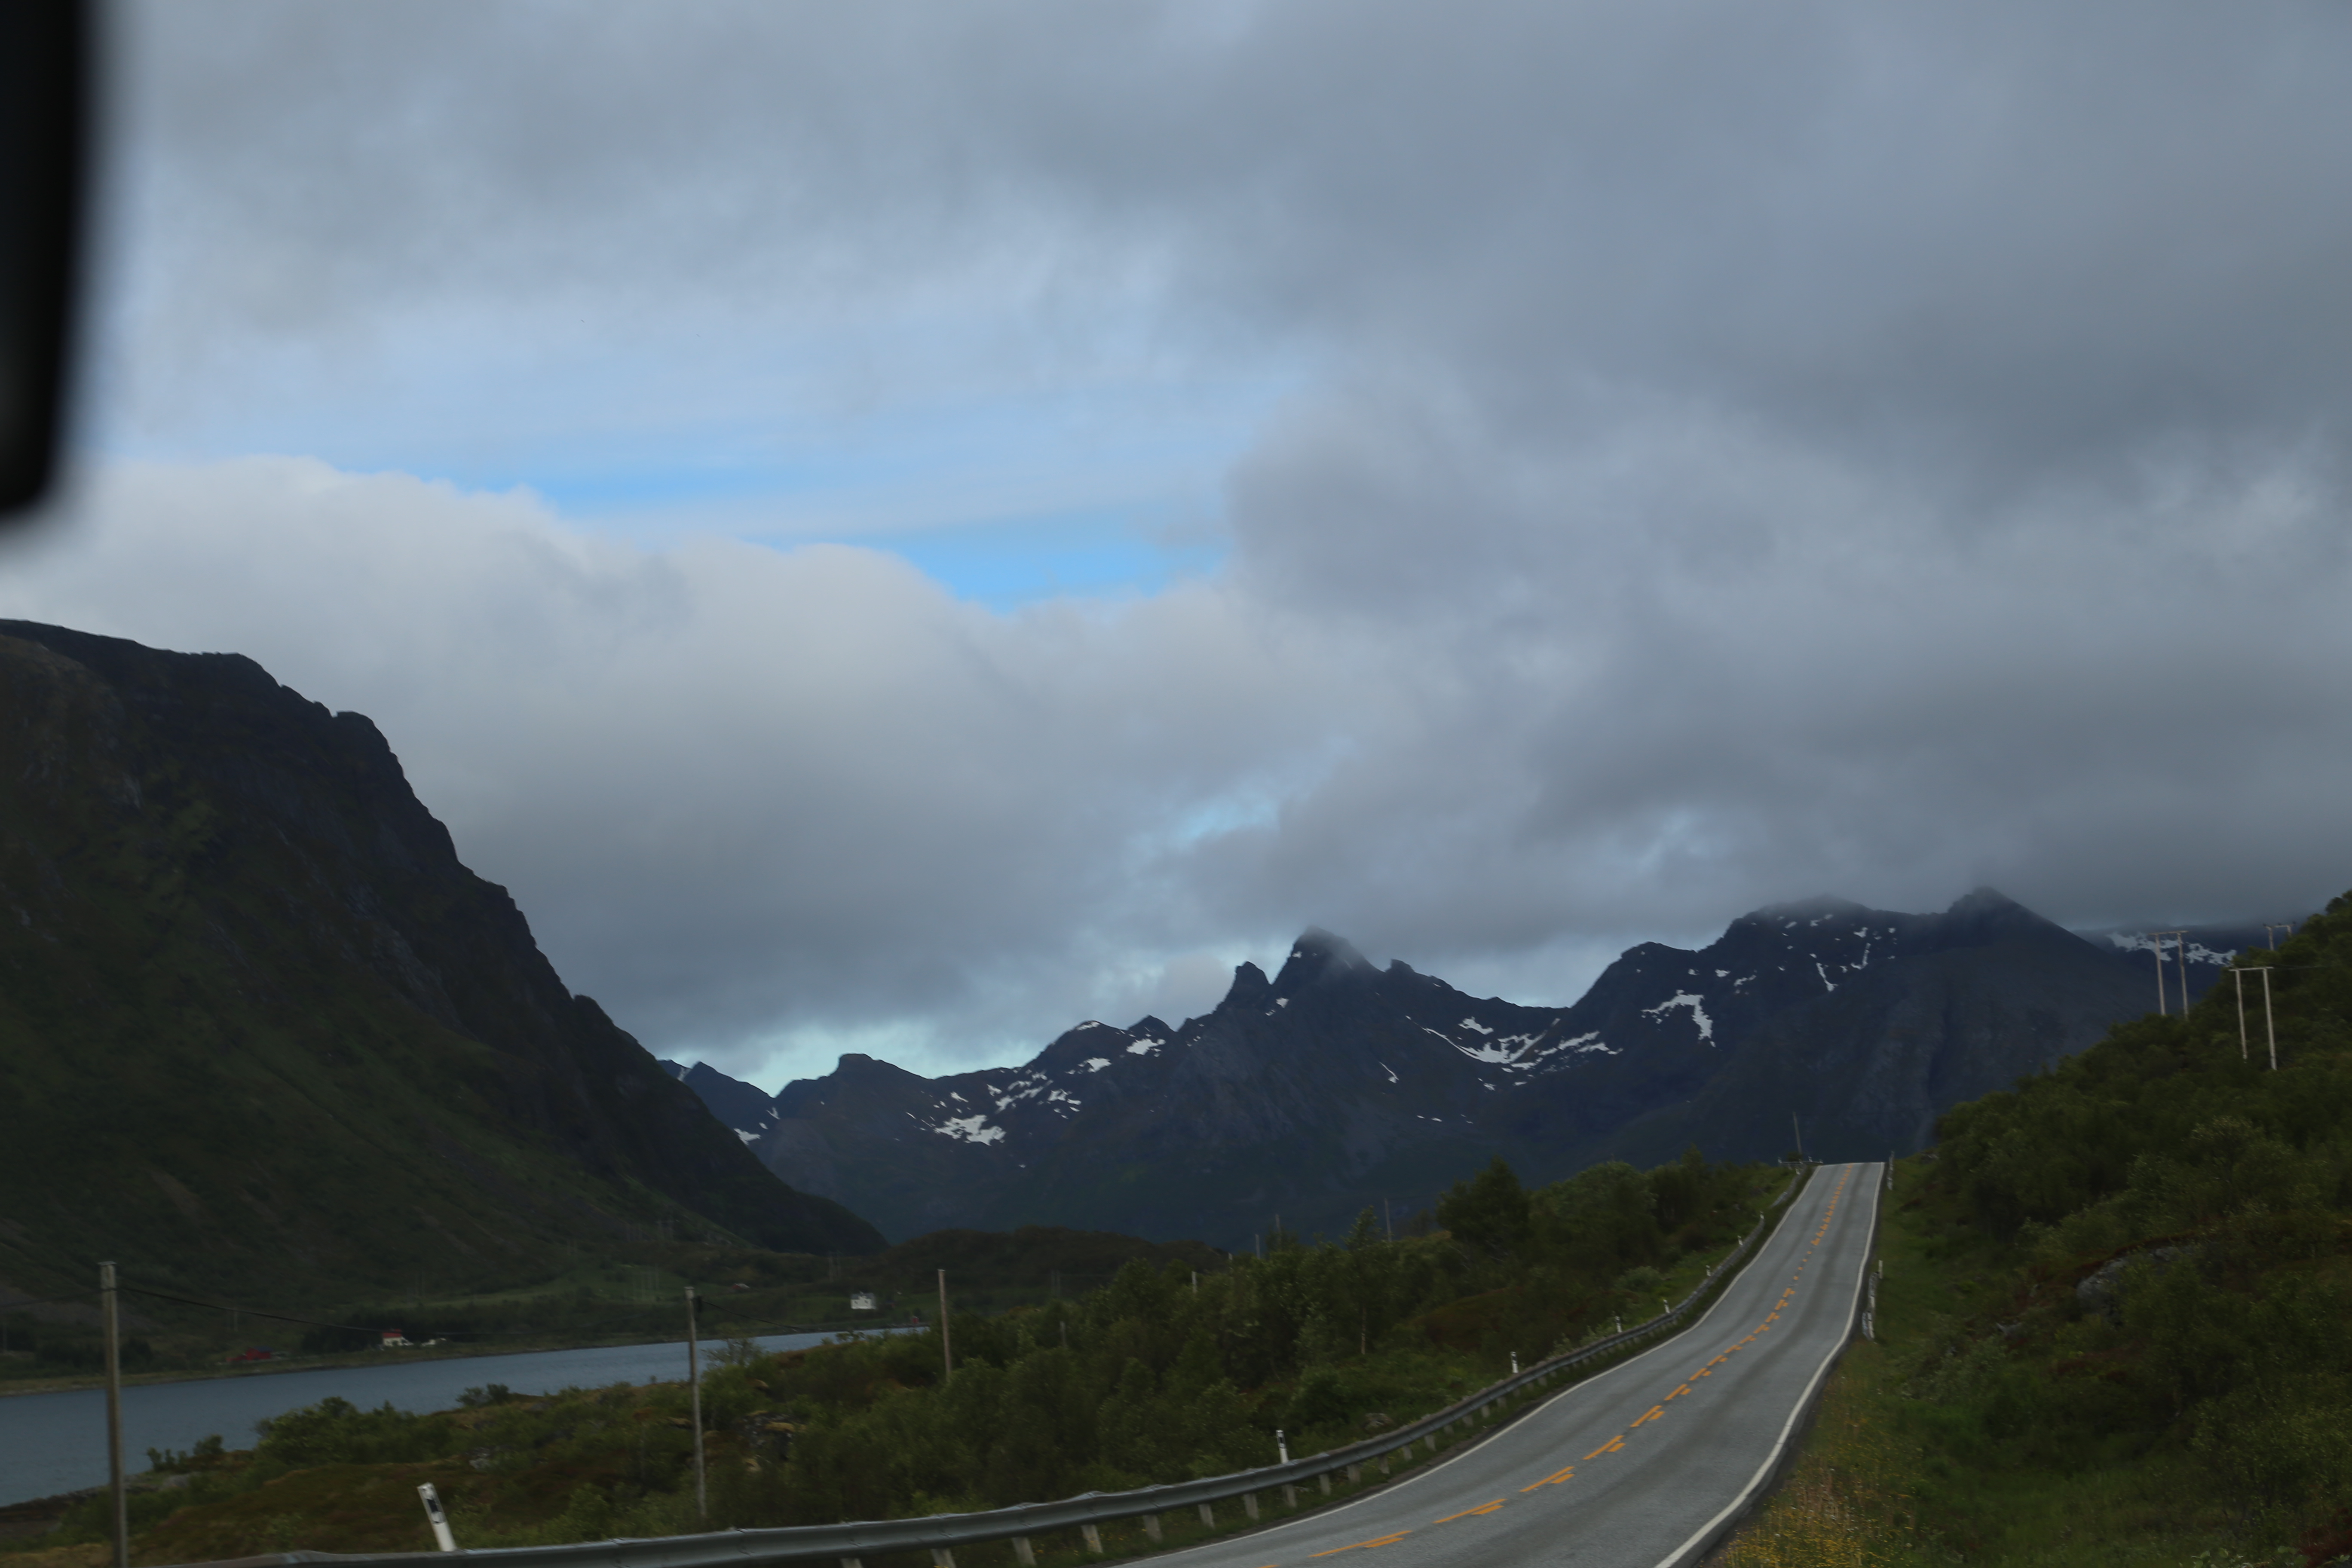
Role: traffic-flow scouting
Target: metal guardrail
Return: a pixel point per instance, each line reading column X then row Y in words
column 742, row 1548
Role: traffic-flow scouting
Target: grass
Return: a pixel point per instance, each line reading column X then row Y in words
column 1892, row 1476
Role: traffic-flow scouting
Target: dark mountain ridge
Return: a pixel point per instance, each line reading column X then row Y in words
column 1338, row 1083
column 261, row 1029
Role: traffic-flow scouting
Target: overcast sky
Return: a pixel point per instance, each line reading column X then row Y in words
column 902, row 527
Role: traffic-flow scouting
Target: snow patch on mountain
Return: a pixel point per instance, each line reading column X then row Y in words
column 972, row 1128
column 1697, row 1005
column 2143, row 942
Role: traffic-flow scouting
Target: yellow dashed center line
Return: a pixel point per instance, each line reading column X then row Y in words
column 1364, row 1545
column 1466, row 1514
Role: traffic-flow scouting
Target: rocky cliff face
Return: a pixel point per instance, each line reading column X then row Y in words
column 1337, row 1084
column 259, row 1025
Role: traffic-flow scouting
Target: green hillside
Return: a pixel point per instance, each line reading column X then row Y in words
column 263, row 1037
column 1167, row 1370
column 2117, row 1317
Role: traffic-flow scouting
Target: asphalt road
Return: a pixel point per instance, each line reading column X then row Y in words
column 1639, row 1466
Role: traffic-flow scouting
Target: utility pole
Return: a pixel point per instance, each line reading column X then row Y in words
column 2270, row 1025
column 2180, row 944
column 694, row 1382
column 2240, row 976
column 2272, row 931
column 947, row 1352
column 1799, row 1132
column 112, row 1300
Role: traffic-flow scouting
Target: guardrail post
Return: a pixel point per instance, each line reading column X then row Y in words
column 1326, row 1479
column 1151, row 1527
column 1209, row 1516
column 1249, row 1505
column 942, row 1557
column 1384, row 1464
column 853, row 1562
column 1093, row 1538
column 1355, row 1474
column 1290, row 1496
column 1022, row 1552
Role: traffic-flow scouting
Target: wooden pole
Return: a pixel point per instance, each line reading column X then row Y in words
column 694, row 1382
column 115, row 1479
column 947, row 1352
column 2270, row 1024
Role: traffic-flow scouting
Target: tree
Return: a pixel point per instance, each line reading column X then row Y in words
column 1488, row 1211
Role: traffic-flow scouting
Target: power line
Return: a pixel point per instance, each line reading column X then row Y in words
column 46, row 1301
column 248, row 1311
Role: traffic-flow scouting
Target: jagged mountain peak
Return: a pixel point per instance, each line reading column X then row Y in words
column 1249, row 988
column 1986, row 915
column 1805, row 911
column 1318, row 955
column 1335, row 1082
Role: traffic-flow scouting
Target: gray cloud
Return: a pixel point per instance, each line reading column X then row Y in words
column 1733, row 455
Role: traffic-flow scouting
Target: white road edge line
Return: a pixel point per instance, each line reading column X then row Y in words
column 1852, row 1306
column 1579, row 1386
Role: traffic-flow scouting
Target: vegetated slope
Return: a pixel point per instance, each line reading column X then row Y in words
column 991, row 1271
column 261, row 1032
column 1155, row 1376
column 2117, row 1297
column 1338, row 1083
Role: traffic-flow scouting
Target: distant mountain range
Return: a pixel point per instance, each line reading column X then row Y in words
column 1302, row 1098
column 261, row 1032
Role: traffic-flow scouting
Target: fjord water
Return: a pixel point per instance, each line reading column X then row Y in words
column 52, row 1443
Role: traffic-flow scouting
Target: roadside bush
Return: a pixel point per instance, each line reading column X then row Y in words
column 336, row 1432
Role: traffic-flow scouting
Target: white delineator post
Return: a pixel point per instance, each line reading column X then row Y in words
column 436, row 1519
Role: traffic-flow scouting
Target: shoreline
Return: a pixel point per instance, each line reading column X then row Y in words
column 78, row 1383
